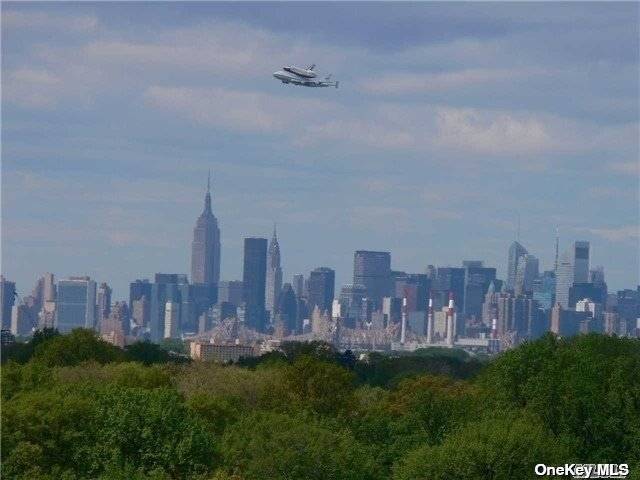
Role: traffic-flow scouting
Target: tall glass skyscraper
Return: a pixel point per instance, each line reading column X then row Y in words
column 580, row 254
column 516, row 250
column 76, row 304
column 254, row 282
column 205, row 248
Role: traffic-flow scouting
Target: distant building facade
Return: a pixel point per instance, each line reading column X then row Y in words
column 254, row 282
column 76, row 304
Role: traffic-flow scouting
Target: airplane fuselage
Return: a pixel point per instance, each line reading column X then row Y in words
column 290, row 75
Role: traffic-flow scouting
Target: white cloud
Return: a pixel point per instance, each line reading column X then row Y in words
column 408, row 83
column 492, row 133
column 47, row 21
column 32, row 88
column 630, row 168
column 236, row 110
column 618, row 234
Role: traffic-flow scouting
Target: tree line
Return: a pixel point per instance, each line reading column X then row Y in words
column 76, row 407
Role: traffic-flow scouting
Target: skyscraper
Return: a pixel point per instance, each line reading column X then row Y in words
column 7, row 299
column 477, row 279
column 231, row 292
column 298, row 285
column 351, row 297
column 205, row 248
column 321, row 288
column 526, row 272
column 373, row 270
column 167, row 287
column 103, row 303
column 274, row 274
column 580, row 257
column 564, row 280
column 287, row 310
column 515, row 252
column 76, row 304
column 254, row 281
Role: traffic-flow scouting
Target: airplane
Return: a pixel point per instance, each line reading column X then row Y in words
column 304, row 77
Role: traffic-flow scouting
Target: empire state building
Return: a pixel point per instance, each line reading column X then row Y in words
column 205, row 248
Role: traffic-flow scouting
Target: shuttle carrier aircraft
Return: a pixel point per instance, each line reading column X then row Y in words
column 305, row 77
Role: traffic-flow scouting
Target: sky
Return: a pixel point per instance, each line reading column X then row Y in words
column 452, row 121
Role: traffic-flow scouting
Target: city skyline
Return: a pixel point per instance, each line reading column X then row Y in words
column 458, row 120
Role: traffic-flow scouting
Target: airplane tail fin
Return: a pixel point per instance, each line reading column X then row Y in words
column 337, row 84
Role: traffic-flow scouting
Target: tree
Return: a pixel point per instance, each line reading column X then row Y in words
column 264, row 446
column 501, row 448
column 147, row 353
column 78, row 346
column 322, row 387
column 586, row 388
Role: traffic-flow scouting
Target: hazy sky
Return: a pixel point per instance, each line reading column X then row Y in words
column 450, row 120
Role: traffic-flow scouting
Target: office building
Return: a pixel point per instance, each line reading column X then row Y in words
column 544, row 290
column 373, row 270
column 298, row 285
column 580, row 258
column 351, row 298
column 7, row 300
column 321, row 289
column 287, row 311
column 254, row 282
column 231, row 291
column 167, row 287
column 103, row 303
column 205, row 248
column 76, row 304
column 564, row 280
column 516, row 250
column 171, row 319
column 477, row 279
column 274, row 274
column 526, row 272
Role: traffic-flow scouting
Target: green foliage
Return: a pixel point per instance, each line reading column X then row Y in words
column 320, row 386
column 78, row 346
column 89, row 432
column 21, row 352
column 500, row 448
column 266, row 446
column 386, row 371
column 147, row 353
column 586, row 388
column 78, row 408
